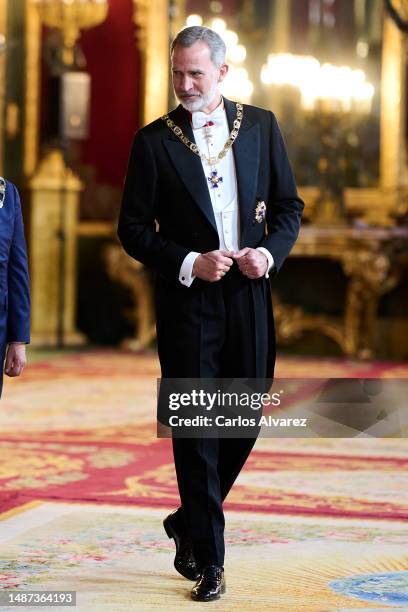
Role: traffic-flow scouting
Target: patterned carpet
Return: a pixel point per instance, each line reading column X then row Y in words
column 118, row 558
column 85, row 483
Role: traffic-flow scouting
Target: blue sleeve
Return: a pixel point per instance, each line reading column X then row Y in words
column 18, row 318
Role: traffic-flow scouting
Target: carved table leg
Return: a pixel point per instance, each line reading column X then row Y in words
column 352, row 317
column 132, row 274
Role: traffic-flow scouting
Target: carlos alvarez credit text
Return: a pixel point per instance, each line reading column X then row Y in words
column 209, row 401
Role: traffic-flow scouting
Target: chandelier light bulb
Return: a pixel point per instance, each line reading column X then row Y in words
column 218, row 25
column 194, row 20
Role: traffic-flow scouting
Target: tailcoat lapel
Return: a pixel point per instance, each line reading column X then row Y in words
column 188, row 165
column 246, row 150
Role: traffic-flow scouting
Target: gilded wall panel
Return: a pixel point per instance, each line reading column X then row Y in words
column 152, row 22
column 3, row 19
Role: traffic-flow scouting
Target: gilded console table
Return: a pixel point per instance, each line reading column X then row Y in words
column 373, row 260
column 132, row 274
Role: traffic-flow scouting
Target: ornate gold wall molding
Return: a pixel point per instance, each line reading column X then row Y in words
column 3, row 30
column 178, row 18
column 141, row 18
column 55, row 193
column 32, row 88
column 152, row 21
column 393, row 160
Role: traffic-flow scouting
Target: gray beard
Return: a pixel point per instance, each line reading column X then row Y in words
column 200, row 102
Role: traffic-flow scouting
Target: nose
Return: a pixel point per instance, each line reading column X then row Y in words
column 186, row 82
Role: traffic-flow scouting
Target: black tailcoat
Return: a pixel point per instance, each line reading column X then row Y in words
column 209, row 330
column 166, row 184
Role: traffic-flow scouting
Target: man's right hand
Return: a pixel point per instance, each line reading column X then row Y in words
column 212, row 266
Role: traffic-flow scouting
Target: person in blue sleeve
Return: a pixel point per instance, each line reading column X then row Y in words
column 14, row 283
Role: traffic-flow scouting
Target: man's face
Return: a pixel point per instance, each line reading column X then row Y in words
column 195, row 78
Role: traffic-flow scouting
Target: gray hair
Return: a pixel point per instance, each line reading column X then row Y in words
column 192, row 34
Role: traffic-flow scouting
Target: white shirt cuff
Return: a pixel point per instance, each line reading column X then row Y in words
column 268, row 255
column 186, row 276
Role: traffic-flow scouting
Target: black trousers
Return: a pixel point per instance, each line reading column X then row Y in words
column 223, row 336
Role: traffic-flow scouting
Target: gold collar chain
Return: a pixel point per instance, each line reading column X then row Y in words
column 212, row 161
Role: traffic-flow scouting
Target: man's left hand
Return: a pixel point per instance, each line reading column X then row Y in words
column 251, row 262
column 15, row 359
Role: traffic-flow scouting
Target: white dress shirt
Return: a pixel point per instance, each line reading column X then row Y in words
column 224, row 198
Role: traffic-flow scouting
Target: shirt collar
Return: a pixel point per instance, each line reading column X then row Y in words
column 221, row 105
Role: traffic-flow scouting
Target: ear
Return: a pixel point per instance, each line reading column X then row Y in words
column 223, row 72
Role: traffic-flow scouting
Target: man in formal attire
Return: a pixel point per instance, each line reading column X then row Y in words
column 14, row 284
column 215, row 176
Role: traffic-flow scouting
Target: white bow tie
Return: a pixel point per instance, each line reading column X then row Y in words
column 200, row 119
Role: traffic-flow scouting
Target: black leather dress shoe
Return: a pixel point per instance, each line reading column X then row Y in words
column 184, row 561
column 210, row 585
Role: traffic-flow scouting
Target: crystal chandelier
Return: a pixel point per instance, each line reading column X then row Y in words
column 70, row 17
